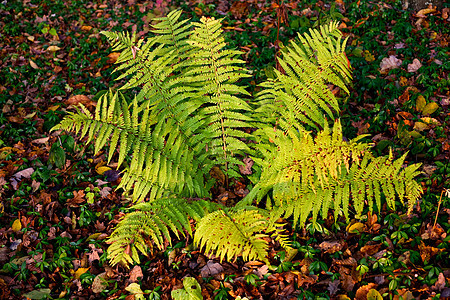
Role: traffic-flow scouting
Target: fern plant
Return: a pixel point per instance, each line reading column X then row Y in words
column 188, row 116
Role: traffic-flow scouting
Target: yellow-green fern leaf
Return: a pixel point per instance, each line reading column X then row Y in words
column 232, row 233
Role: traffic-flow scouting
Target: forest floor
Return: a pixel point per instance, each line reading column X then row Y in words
column 58, row 199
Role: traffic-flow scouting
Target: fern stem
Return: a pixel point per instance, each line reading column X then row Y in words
column 439, row 206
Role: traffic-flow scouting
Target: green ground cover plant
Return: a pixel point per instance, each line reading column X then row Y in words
column 58, row 198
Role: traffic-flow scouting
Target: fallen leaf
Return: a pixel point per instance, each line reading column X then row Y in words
column 420, row 103
column 35, row 185
column 86, row 28
column 331, row 247
column 79, row 272
column 404, row 294
column 389, row 63
column 368, row 56
column 134, row 288
column 26, row 173
column 34, row 65
column 77, row 99
column 423, row 12
column 419, row 126
column 355, row 228
column 17, row 177
column 16, row 226
column 362, row 126
column 38, row 294
column 363, row 292
column 374, row 295
column 78, row 197
column 403, row 81
column 53, row 48
column 434, row 232
column 95, row 253
column 430, row 108
column 414, row 66
column 136, row 273
column 333, row 287
column 427, row 252
column 101, row 170
column 29, row 116
column 211, row 268
column 439, row 284
column 445, row 13
column 5, row 151
column 246, row 169
column 113, row 57
column 40, row 141
column 100, row 283
column 430, row 121
column 239, row 9
column 369, row 250
column 105, row 191
column 347, row 281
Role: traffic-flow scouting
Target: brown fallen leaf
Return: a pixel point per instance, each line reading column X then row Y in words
column 423, row 12
column 17, row 177
column 78, row 198
column 369, row 250
column 113, row 57
column 445, row 13
column 33, row 65
column 404, row 294
column 100, row 283
column 362, row 126
column 239, row 9
column 331, row 247
column 211, row 268
column 440, row 283
column 414, row 66
column 75, row 100
column 135, row 274
column 347, row 281
column 434, row 232
column 361, row 293
column 246, row 169
column 427, row 252
column 389, row 63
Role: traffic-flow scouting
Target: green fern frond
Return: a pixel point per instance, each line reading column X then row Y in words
column 232, row 233
column 156, row 167
column 173, row 33
column 120, row 40
column 213, row 73
column 311, row 175
column 152, row 222
column 301, row 96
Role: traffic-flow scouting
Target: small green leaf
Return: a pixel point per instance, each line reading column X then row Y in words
column 90, row 198
column 53, row 32
column 68, row 142
column 57, row 156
